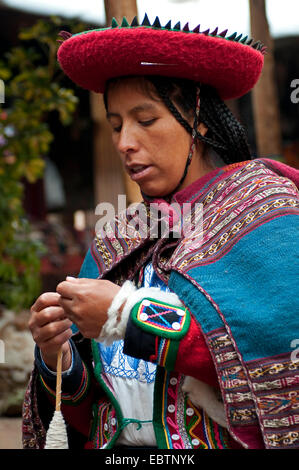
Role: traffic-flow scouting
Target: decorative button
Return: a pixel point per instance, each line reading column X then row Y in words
column 143, row 316
column 106, row 427
column 180, row 312
column 190, row 411
column 173, row 381
column 113, row 421
column 176, row 326
column 195, row 442
column 171, row 408
column 146, row 303
column 175, row 437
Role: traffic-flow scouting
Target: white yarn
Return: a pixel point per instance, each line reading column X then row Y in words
column 57, row 436
column 204, row 396
column 114, row 330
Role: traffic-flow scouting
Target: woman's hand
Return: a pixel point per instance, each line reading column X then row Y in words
column 50, row 329
column 86, row 302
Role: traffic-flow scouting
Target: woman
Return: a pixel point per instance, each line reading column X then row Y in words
column 189, row 313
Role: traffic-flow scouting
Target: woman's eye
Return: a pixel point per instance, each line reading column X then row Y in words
column 147, row 123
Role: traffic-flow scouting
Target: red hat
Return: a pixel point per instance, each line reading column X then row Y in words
column 230, row 64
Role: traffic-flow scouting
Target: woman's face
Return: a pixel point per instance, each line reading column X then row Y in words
column 152, row 145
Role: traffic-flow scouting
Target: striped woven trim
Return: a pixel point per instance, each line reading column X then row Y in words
column 167, row 353
column 214, row 434
column 75, row 398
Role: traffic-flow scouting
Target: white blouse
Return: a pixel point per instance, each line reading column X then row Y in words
column 132, row 381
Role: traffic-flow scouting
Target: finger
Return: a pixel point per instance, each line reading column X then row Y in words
column 51, row 330
column 78, row 280
column 45, row 300
column 48, row 315
column 72, row 279
column 52, row 345
column 66, row 289
column 67, row 306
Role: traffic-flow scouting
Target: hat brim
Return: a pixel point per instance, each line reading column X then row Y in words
column 93, row 57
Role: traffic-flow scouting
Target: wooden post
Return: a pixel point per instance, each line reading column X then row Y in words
column 108, row 172
column 265, row 99
column 109, row 176
column 119, row 8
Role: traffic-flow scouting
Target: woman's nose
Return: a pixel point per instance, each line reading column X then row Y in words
column 127, row 140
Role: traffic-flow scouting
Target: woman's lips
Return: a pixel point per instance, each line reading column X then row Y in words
column 139, row 172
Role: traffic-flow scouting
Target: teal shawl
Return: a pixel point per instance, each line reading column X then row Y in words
column 239, row 282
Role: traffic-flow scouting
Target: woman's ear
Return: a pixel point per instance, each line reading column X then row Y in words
column 202, row 128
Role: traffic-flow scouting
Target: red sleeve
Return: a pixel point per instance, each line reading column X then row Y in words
column 194, row 358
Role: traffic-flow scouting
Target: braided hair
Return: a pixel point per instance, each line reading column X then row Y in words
column 225, row 135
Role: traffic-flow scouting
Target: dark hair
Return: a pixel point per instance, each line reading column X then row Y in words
column 225, row 135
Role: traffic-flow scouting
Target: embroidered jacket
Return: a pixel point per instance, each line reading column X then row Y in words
column 234, row 272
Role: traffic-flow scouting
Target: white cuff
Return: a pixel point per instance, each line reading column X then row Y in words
column 113, row 330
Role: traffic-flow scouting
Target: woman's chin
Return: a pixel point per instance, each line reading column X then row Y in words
column 156, row 192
